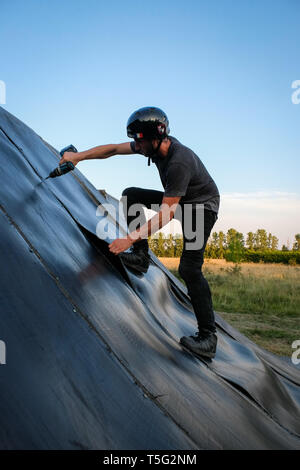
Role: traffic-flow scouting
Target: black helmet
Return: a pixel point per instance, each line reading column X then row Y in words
column 148, row 123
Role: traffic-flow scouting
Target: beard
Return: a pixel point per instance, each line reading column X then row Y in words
column 150, row 151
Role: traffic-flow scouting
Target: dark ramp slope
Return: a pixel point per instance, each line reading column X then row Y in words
column 93, row 359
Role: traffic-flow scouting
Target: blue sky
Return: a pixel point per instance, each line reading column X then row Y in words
column 221, row 69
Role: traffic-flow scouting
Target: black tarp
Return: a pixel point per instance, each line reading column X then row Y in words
column 93, row 359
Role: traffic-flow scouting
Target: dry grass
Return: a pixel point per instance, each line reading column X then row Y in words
column 260, row 300
column 218, row 266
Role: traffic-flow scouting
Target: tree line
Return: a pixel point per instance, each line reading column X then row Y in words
column 232, row 246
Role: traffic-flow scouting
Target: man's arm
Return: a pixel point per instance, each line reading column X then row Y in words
column 166, row 213
column 100, row 152
column 159, row 220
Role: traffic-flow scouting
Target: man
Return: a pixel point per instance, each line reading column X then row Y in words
column 188, row 186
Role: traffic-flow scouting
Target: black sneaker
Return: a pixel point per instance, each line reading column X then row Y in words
column 138, row 260
column 202, row 345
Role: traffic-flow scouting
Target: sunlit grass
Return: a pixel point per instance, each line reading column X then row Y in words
column 262, row 301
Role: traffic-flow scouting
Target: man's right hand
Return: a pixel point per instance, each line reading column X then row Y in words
column 70, row 157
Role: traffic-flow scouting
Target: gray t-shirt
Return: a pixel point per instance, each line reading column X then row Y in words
column 182, row 173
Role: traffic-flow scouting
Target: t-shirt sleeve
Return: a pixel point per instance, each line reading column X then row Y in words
column 177, row 181
column 132, row 145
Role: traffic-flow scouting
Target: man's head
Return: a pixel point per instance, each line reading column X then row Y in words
column 148, row 126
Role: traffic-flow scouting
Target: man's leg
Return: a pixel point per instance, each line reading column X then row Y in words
column 141, row 197
column 190, row 269
column 139, row 258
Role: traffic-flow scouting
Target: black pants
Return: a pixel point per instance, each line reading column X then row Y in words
column 191, row 261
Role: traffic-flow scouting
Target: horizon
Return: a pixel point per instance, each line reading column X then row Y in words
column 225, row 73
column 174, row 228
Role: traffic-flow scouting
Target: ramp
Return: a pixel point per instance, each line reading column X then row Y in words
column 93, row 359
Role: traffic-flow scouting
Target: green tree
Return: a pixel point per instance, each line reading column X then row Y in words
column 296, row 245
column 160, row 244
column 250, row 241
column 261, row 240
column 269, row 241
column 221, row 245
column 214, row 245
column 235, row 246
column 233, row 235
column 169, row 244
column 178, row 246
column 152, row 241
column 274, row 243
column 157, row 244
column 208, row 252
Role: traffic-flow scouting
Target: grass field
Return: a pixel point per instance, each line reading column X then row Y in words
column 262, row 301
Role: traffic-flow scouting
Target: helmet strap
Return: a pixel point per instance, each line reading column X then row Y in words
column 154, row 151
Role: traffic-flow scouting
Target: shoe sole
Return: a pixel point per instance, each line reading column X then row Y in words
column 207, row 355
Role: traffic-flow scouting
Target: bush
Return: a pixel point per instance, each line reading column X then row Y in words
column 272, row 256
column 235, row 251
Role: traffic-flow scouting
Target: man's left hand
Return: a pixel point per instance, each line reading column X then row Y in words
column 120, row 244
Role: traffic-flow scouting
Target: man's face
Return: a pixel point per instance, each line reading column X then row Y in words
column 145, row 146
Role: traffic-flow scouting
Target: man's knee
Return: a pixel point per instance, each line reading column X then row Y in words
column 128, row 198
column 129, row 191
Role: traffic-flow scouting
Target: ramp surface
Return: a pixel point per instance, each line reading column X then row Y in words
column 93, row 359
